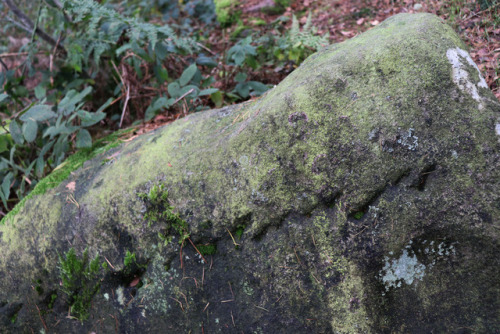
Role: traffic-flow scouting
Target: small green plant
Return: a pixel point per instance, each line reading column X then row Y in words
column 40, row 136
column 38, row 287
column 358, row 215
column 52, row 301
column 227, row 12
column 160, row 210
column 243, row 54
column 79, row 281
column 190, row 86
column 129, row 259
column 239, row 231
column 207, row 249
column 304, row 42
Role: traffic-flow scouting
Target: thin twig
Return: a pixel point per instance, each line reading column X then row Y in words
column 36, row 22
column 197, row 250
column 298, row 260
column 203, row 276
column 261, row 308
column 205, row 48
column 127, row 97
column 40, row 315
column 184, row 95
column 13, row 54
column 180, row 304
column 234, row 241
column 18, row 24
column 4, row 65
column 109, row 263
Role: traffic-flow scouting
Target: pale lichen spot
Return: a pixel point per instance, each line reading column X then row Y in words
column 497, row 129
column 405, row 269
column 460, row 74
column 120, row 297
column 243, row 160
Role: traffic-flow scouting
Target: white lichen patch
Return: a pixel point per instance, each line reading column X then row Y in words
column 461, row 78
column 408, row 139
column 405, row 269
column 119, row 296
column 497, row 129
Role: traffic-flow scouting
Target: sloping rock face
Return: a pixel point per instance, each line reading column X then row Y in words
column 361, row 195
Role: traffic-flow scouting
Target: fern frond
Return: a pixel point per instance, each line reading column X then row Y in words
column 104, row 27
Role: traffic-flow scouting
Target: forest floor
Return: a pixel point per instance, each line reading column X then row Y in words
column 480, row 29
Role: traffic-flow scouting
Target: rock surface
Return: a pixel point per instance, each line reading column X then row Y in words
column 361, row 195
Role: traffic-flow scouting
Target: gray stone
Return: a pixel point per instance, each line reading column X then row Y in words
column 360, row 195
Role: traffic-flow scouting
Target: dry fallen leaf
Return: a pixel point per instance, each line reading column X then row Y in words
column 134, row 282
column 360, row 21
column 374, row 22
column 71, row 186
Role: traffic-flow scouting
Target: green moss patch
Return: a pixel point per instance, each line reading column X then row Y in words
column 72, row 163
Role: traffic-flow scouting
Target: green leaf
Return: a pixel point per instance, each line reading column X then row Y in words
column 123, row 48
column 68, row 103
column 62, row 129
column 239, row 57
column 240, row 77
column 188, row 74
column 252, row 62
column 217, row 99
column 161, row 73
column 153, row 108
column 3, row 97
column 30, row 129
column 208, row 91
column 46, row 148
column 105, row 105
column 161, row 51
column 173, row 89
column 40, row 166
column 6, row 184
column 40, row 92
column 83, row 139
column 243, row 89
column 206, row 61
column 4, row 200
column 186, row 89
column 90, row 118
column 4, row 142
column 258, row 87
column 27, row 171
column 16, row 133
column 39, row 113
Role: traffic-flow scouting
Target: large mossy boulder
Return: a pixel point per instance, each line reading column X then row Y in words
column 360, row 195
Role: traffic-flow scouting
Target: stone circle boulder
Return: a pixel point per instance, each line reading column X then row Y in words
column 360, row 195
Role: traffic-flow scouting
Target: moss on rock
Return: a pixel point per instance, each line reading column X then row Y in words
column 359, row 195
